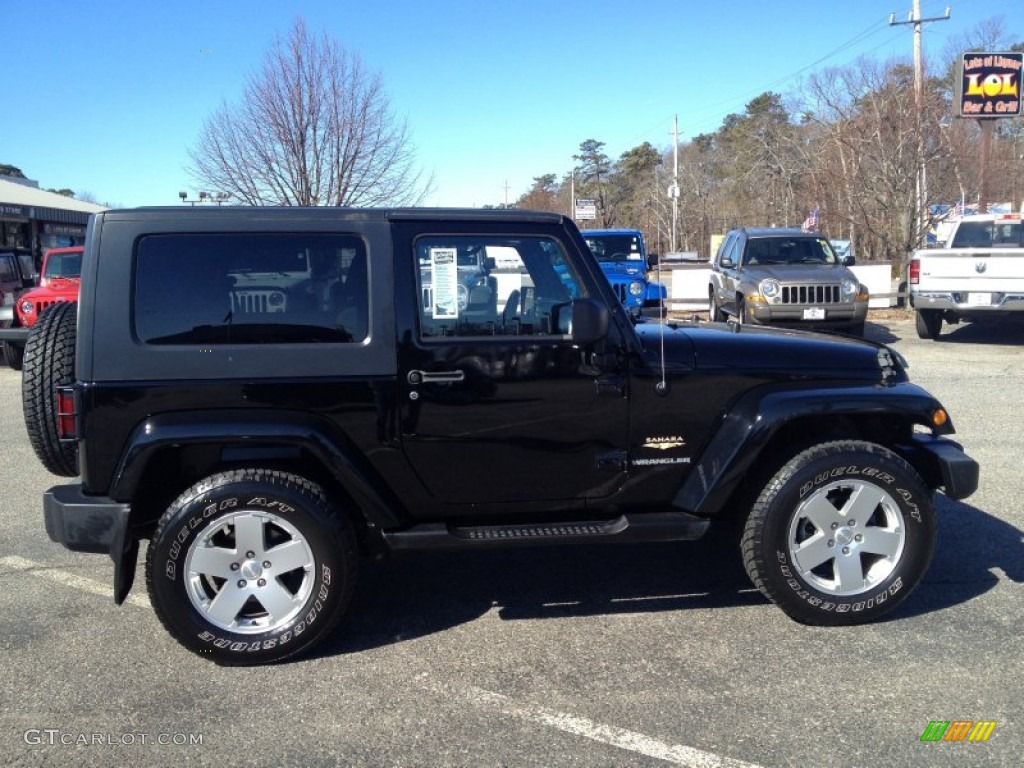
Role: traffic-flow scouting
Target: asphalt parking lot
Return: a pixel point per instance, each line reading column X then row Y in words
column 626, row 656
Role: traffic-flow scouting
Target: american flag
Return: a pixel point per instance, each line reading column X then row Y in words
column 813, row 220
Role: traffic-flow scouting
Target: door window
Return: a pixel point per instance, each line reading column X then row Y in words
column 486, row 285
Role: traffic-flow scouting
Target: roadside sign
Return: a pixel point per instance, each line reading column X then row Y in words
column 988, row 85
column 586, row 209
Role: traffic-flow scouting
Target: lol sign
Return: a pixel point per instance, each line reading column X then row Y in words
column 989, row 84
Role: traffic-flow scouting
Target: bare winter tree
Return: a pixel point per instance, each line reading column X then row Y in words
column 313, row 127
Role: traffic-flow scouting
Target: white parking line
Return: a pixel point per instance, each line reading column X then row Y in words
column 68, row 579
column 606, row 734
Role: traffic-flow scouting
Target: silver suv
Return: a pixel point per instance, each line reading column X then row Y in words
column 785, row 277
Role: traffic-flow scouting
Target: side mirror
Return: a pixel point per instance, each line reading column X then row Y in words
column 585, row 320
column 489, row 263
column 726, row 262
column 652, row 260
column 849, row 261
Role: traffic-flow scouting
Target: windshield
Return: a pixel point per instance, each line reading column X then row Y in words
column 789, row 250
column 1001, row 233
column 622, row 247
column 64, row 265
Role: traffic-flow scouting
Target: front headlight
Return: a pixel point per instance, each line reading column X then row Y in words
column 636, row 289
column 27, row 307
column 850, row 288
column 770, row 288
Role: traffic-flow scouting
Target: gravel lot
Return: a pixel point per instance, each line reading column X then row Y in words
column 642, row 656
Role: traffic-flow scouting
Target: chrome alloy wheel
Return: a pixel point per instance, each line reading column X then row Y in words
column 249, row 572
column 846, row 537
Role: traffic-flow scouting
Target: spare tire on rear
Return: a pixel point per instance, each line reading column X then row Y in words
column 49, row 363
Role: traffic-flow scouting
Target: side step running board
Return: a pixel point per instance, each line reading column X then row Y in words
column 649, row 526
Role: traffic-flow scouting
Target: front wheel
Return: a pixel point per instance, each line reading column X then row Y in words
column 928, row 323
column 841, row 534
column 251, row 566
column 15, row 355
column 741, row 310
column 715, row 313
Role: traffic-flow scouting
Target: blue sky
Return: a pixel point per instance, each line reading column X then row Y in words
column 107, row 96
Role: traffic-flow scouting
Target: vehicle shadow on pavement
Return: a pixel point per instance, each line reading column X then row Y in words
column 973, row 553
column 879, row 331
column 418, row 594
column 1005, row 333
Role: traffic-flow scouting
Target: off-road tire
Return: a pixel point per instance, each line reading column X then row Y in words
column 15, row 355
column 251, row 566
column 842, row 534
column 49, row 362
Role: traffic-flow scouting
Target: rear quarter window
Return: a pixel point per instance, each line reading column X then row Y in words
column 254, row 288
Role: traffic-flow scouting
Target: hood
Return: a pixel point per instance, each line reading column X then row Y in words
column 796, row 273
column 56, row 288
column 746, row 348
column 624, row 269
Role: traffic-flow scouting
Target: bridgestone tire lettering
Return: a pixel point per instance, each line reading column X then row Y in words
column 809, row 596
column 208, row 507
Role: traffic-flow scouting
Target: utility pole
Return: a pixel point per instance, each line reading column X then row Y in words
column 921, row 183
column 673, row 190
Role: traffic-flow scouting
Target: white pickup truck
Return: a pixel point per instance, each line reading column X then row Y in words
column 980, row 273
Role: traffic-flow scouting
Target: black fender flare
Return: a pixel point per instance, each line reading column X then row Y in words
column 253, row 429
column 751, row 422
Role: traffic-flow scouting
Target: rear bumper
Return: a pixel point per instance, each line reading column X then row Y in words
column 958, row 301
column 85, row 523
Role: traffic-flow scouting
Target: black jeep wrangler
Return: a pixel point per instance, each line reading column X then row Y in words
column 266, row 396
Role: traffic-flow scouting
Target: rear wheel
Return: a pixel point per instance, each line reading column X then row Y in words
column 49, row 362
column 251, row 566
column 841, row 534
column 928, row 323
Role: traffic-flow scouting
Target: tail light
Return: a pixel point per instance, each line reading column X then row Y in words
column 915, row 271
column 67, row 413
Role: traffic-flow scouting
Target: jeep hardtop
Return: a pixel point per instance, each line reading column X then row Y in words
column 268, row 394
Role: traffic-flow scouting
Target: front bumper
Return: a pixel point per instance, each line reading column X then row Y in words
column 836, row 315
column 944, row 464
column 16, row 335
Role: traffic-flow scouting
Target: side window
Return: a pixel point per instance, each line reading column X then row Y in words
column 210, row 289
column 484, row 285
column 28, row 265
column 7, row 273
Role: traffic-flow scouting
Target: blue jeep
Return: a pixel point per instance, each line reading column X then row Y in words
column 624, row 259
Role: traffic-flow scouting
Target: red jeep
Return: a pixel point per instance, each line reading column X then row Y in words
column 59, row 281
